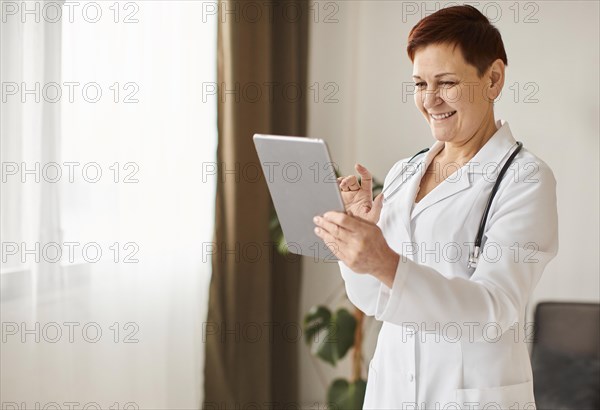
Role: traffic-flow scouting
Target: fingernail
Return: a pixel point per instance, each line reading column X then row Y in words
column 317, row 230
column 316, row 219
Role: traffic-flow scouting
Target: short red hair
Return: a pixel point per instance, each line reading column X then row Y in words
column 463, row 26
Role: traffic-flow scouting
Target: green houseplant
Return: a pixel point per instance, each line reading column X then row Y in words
column 332, row 334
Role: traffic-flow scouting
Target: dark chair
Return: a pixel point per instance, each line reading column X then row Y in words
column 566, row 356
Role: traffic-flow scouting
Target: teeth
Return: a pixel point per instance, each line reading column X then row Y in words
column 442, row 116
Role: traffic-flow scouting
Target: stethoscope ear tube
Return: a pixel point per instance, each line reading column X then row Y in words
column 386, row 197
column 424, row 150
column 474, row 257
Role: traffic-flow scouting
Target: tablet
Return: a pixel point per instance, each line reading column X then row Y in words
column 302, row 181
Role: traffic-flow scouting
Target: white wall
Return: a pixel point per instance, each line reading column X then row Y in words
column 364, row 52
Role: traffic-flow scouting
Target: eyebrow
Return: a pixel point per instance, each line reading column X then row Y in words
column 437, row 75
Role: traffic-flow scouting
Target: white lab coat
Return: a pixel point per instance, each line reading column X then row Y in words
column 449, row 338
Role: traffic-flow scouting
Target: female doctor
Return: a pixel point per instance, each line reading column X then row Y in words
column 453, row 333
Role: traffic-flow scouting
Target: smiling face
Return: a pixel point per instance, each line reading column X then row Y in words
column 457, row 104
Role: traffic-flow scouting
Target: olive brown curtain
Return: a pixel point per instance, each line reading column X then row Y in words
column 251, row 355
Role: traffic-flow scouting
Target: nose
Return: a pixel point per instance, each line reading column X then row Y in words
column 431, row 98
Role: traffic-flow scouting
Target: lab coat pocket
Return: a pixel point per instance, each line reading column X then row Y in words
column 515, row 397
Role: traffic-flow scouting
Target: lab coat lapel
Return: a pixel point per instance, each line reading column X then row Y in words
column 455, row 183
column 409, row 198
column 413, row 183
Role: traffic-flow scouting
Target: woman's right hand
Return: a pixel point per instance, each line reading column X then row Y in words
column 358, row 198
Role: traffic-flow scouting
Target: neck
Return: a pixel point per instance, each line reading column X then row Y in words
column 462, row 152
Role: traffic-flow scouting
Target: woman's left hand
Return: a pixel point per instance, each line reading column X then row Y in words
column 358, row 243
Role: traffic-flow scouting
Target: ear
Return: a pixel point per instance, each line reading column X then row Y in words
column 495, row 79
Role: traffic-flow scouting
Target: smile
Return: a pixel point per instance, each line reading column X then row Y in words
column 440, row 117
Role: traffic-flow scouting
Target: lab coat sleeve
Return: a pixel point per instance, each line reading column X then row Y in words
column 521, row 238
column 363, row 289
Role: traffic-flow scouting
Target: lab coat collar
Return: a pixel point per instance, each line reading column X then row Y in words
column 486, row 160
column 495, row 151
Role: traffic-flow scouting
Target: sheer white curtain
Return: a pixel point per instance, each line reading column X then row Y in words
column 131, row 134
column 30, row 129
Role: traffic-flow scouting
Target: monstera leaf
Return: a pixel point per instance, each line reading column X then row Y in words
column 331, row 335
column 346, row 396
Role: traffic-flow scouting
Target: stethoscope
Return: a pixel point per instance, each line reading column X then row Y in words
column 474, row 255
